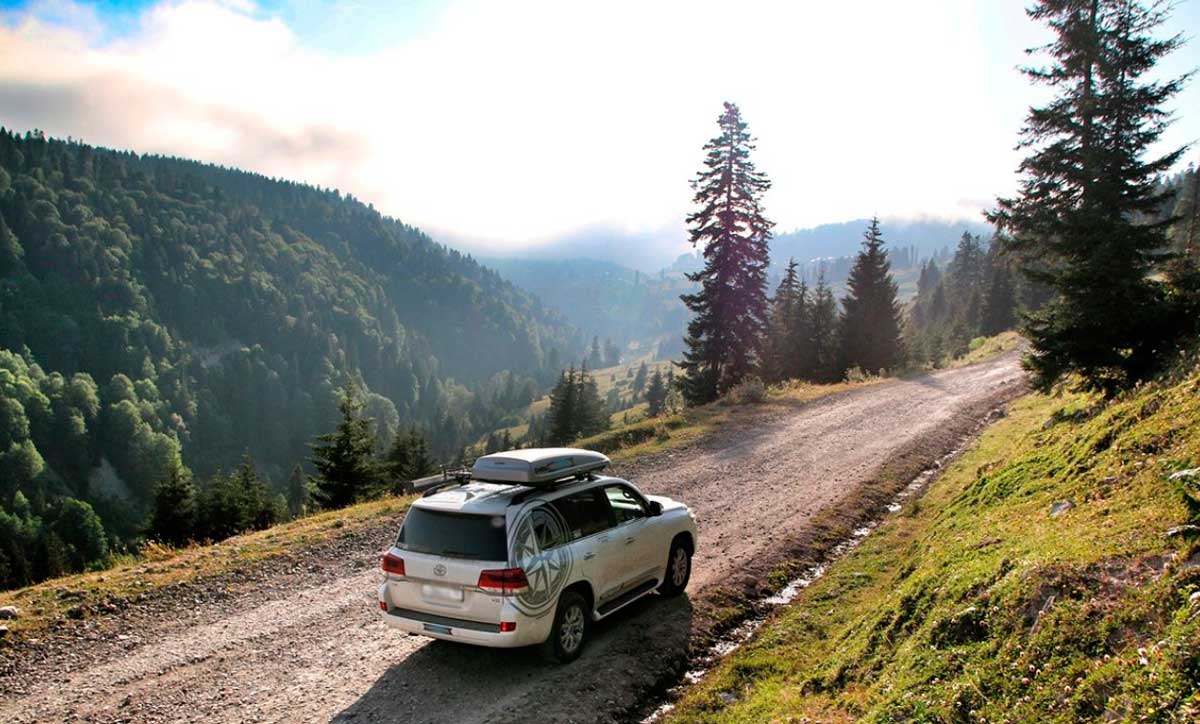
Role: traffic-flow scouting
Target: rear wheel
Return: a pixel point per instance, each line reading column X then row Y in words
column 570, row 630
column 679, row 569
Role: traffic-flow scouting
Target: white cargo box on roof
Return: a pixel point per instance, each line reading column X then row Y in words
column 537, row 466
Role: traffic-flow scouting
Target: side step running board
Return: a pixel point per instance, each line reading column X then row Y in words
column 627, row 598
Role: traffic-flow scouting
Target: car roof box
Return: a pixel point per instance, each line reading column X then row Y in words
column 537, row 466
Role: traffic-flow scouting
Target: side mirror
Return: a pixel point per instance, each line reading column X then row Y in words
column 655, row 508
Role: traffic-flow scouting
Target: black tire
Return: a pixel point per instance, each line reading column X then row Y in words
column 569, row 634
column 679, row 569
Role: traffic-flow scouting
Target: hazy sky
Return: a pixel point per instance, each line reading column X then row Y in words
column 509, row 124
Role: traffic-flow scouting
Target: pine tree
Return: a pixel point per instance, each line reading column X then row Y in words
column 724, row 338
column 1000, row 310
column 173, row 517
column 824, row 334
column 297, row 493
column 576, row 408
column 409, row 458
column 1074, row 222
column 346, row 469
column 594, row 360
column 871, row 317
column 561, row 424
column 788, row 329
column 612, row 353
column 656, row 394
column 591, row 414
column 255, row 505
column 639, row 380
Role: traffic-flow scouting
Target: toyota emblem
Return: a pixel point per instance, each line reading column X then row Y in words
column 439, row 570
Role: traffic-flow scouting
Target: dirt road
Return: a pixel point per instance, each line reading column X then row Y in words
column 306, row 643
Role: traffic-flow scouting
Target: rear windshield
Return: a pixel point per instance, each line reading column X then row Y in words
column 481, row 537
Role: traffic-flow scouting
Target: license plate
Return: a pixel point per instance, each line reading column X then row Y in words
column 431, row 592
column 434, row 628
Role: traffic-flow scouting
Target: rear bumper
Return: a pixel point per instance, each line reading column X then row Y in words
column 439, row 624
column 397, row 618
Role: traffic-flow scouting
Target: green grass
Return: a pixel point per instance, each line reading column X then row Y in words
column 159, row 567
column 974, row 604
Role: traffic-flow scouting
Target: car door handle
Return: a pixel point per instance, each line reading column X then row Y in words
column 629, row 540
column 588, row 556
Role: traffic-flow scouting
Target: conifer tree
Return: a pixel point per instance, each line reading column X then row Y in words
column 724, row 338
column 612, row 353
column 656, row 394
column 871, row 317
column 346, row 469
column 297, row 493
column 788, row 329
column 594, row 360
column 173, row 518
column 824, row 334
column 1000, row 310
column 639, row 380
column 1074, row 222
column 561, row 424
column 409, row 457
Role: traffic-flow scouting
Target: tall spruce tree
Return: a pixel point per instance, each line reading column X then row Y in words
column 724, row 338
column 870, row 315
column 344, row 459
column 1086, row 182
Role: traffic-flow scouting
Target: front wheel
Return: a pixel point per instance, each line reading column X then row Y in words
column 570, row 629
column 679, row 570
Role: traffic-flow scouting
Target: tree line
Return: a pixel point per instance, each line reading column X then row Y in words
column 1107, row 280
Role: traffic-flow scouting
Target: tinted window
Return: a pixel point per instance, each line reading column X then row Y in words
column 626, row 504
column 585, row 512
column 481, row 537
column 549, row 527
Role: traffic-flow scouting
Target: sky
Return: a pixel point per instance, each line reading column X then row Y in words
column 550, row 127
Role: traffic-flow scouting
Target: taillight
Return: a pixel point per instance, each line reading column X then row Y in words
column 504, row 581
column 393, row 564
column 383, row 605
column 508, row 626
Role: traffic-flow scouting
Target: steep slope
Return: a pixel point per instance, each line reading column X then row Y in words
column 154, row 304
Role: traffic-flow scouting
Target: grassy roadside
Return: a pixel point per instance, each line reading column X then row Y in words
column 74, row 596
column 977, row 604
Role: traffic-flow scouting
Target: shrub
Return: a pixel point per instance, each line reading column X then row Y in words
column 749, row 391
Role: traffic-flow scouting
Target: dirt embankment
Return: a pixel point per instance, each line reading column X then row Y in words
column 301, row 640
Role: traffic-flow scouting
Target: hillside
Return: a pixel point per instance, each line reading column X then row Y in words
column 1050, row 575
column 155, row 309
column 636, row 311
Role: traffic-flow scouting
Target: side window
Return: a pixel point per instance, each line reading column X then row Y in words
column 626, row 504
column 549, row 527
column 585, row 513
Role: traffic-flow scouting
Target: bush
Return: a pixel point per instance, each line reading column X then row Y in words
column 749, row 391
column 855, row 374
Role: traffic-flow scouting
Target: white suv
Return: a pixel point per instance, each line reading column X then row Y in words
column 531, row 549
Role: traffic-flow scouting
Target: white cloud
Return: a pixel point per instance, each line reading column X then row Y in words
column 518, row 122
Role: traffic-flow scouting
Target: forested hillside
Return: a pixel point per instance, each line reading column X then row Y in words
column 155, row 311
